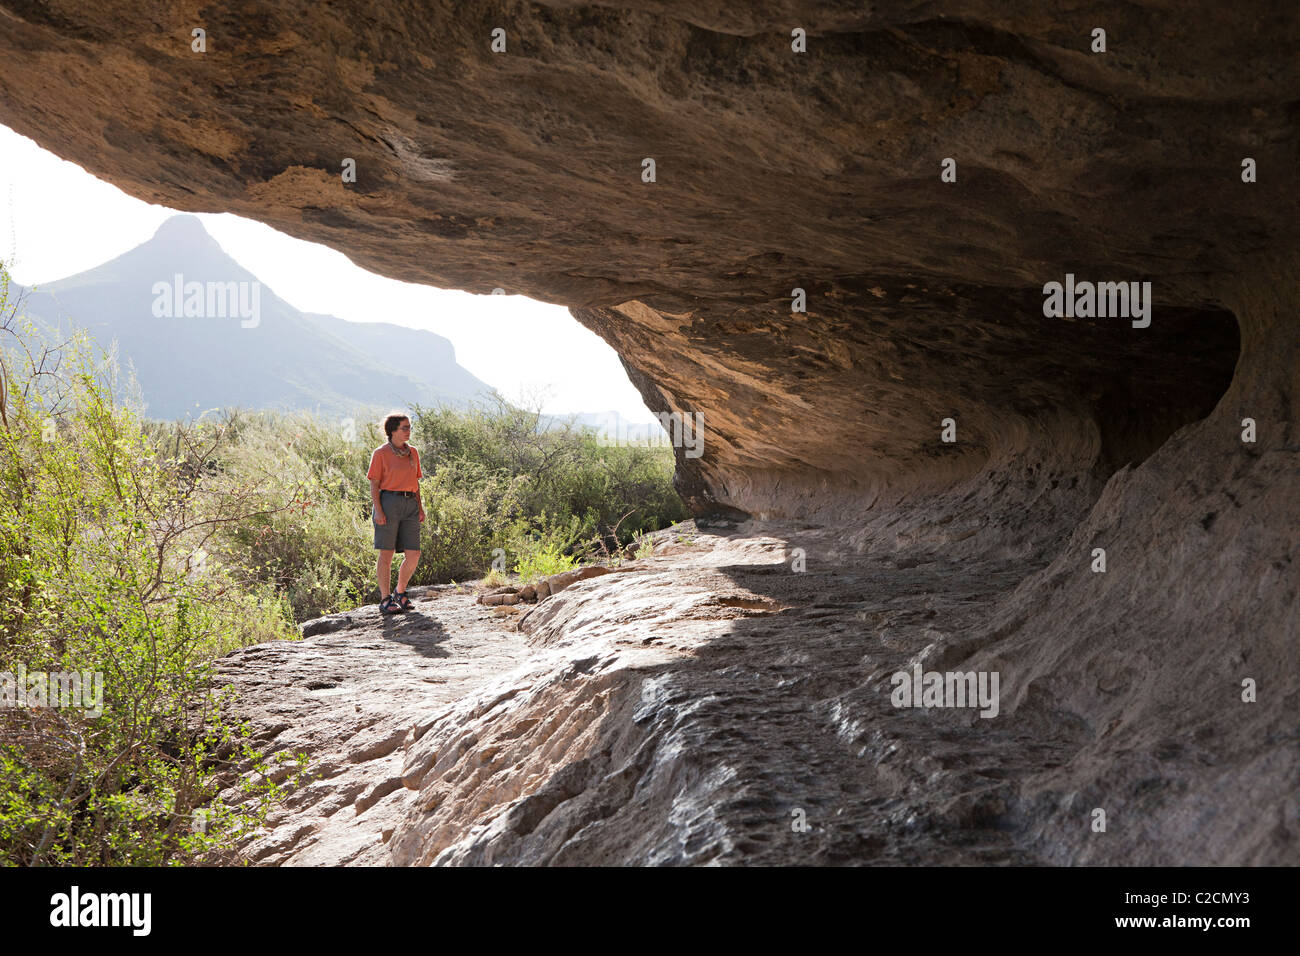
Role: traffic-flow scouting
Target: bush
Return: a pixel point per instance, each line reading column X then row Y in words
column 103, row 571
column 543, row 562
column 555, row 488
column 307, row 536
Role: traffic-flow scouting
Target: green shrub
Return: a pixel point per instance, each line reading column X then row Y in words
column 104, row 569
column 493, row 578
column 540, row 560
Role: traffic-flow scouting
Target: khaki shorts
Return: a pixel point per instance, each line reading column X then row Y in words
column 401, row 531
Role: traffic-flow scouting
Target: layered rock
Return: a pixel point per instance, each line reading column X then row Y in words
column 777, row 171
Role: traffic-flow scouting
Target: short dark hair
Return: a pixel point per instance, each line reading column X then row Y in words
column 392, row 421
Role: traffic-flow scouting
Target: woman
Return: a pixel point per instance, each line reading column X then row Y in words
column 394, row 475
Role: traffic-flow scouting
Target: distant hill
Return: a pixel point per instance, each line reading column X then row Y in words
column 240, row 343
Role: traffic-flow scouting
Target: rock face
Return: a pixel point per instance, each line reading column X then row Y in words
column 1121, row 689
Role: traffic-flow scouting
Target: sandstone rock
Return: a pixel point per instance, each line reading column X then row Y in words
column 331, row 623
column 308, row 696
column 558, row 582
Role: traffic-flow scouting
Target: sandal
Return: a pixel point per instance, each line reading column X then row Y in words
column 404, row 602
column 389, row 605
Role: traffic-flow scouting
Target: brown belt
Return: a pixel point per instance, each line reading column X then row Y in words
column 405, row 494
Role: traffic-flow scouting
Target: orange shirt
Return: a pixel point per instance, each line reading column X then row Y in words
column 394, row 472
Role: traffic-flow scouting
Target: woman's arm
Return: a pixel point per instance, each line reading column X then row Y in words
column 419, row 472
column 374, row 499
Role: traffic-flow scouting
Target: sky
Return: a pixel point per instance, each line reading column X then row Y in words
column 57, row 220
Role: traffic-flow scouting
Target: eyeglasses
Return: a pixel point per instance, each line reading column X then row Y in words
column 402, row 428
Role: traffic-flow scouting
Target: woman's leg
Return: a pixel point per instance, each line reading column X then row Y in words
column 408, row 539
column 384, row 572
column 407, row 569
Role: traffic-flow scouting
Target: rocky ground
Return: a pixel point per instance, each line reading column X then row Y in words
column 708, row 704
column 348, row 695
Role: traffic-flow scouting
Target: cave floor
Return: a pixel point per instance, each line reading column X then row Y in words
column 763, row 691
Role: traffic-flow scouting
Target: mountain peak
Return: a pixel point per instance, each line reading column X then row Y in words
column 183, row 228
column 183, row 244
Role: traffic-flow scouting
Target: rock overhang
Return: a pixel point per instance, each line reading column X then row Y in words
column 774, row 171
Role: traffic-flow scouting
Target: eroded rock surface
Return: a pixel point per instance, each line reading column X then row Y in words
column 522, row 171
column 347, row 696
column 691, row 707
